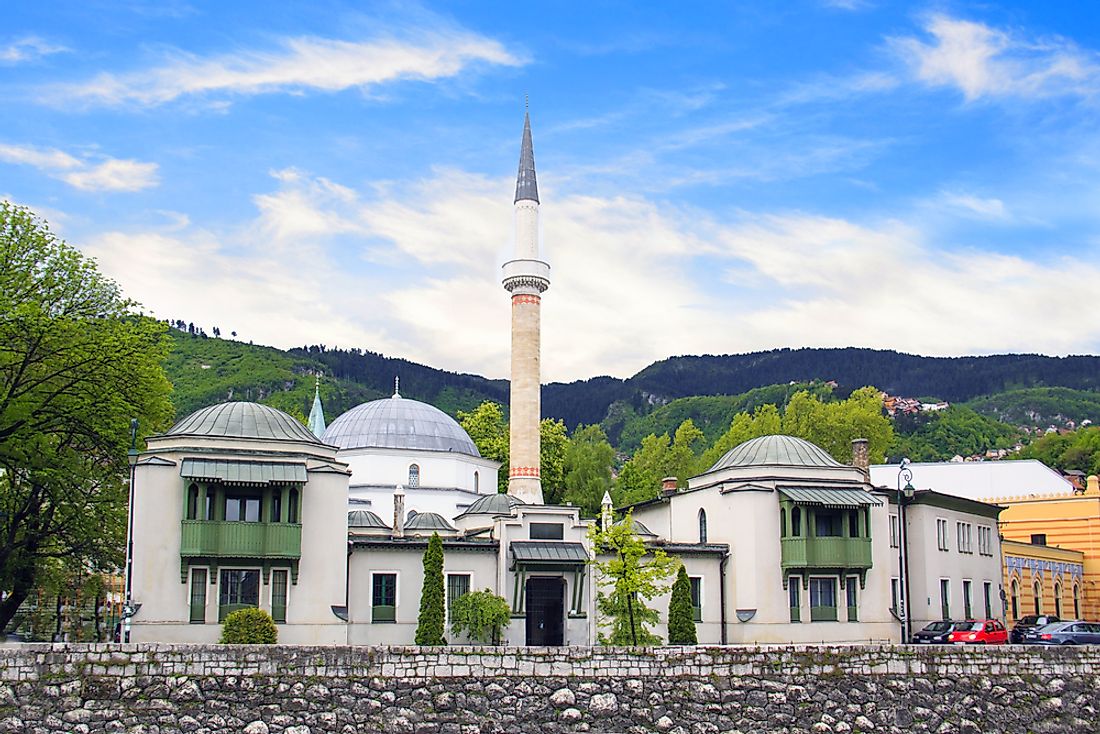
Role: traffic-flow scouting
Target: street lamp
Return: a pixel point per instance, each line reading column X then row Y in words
column 128, row 606
column 904, row 493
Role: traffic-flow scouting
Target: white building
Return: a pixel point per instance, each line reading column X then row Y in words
column 979, row 480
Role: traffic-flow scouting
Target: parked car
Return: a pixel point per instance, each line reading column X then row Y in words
column 935, row 633
column 1064, row 633
column 1030, row 622
column 979, row 632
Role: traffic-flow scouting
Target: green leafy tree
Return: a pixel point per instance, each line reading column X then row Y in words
column 250, row 626
column 1078, row 450
column 634, row 575
column 430, row 623
column 553, row 445
column 77, row 364
column 489, row 431
column 588, row 461
column 481, row 616
column 681, row 614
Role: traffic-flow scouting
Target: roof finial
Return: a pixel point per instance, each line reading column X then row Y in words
column 317, row 412
column 396, row 386
column 526, row 102
column 526, row 185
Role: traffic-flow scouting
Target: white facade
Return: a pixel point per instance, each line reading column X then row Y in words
column 979, row 480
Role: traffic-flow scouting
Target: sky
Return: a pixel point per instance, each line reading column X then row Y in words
column 715, row 177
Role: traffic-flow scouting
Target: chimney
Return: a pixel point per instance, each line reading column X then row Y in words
column 861, row 455
column 399, row 512
column 1093, row 485
column 668, row 486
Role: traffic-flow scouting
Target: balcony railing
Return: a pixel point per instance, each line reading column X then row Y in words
column 241, row 539
column 826, row 552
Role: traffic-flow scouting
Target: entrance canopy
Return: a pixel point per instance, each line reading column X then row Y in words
column 548, row 554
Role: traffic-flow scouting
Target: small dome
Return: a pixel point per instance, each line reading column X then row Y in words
column 399, row 423
column 493, row 504
column 243, row 420
column 640, row 529
column 365, row 519
column 776, row 451
column 428, row 522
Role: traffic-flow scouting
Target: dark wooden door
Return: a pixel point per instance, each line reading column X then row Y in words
column 545, row 606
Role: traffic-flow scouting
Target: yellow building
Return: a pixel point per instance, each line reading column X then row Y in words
column 1045, row 528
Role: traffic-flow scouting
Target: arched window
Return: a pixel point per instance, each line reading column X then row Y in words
column 1015, row 600
column 292, row 507
column 1058, row 600
column 193, row 502
column 1038, row 592
column 414, row 475
column 702, row 525
column 796, row 522
column 1076, row 602
column 477, row 482
column 783, row 522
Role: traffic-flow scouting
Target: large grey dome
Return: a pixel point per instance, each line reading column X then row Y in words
column 243, row 420
column 776, row 451
column 399, row 423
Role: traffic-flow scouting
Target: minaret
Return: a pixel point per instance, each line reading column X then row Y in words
column 317, row 413
column 525, row 277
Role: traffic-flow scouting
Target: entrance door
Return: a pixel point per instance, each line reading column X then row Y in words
column 545, row 611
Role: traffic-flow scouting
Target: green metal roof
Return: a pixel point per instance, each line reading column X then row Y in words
column 243, row 420
column 548, row 551
column 830, row 496
column 231, row 471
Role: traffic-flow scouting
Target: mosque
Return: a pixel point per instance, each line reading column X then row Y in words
column 241, row 505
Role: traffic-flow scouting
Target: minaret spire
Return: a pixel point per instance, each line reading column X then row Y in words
column 526, row 277
column 317, row 413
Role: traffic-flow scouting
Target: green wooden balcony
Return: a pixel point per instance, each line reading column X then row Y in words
column 848, row 553
column 241, row 539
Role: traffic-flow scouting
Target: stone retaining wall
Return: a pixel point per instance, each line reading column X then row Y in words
column 162, row 689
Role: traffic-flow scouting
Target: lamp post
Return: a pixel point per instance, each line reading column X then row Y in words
column 128, row 604
column 904, row 493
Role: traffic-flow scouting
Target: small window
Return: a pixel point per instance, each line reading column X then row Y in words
column 945, row 598
column 853, row 524
column 827, row 524
column 1038, row 538
column 547, row 531
column 853, row 601
column 278, row 596
column 702, row 525
column 414, row 475
column 240, row 508
column 457, row 585
column 988, row 592
column 895, row 540
column 198, row 595
column 895, row 586
column 823, row 600
column 240, row 588
column 383, row 598
column 796, row 522
column 966, row 599
column 794, row 594
column 696, row 597
column 209, row 514
column 1038, row 596
column 277, row 507
column 477, row 482
column 193, row 502
column 1015, row 600
column 782, row 522
column 292, row 507
column 1058, row 600
column 1076, row 601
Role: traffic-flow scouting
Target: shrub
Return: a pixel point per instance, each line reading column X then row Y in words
column 481, row 616
column 681, row 615
column 250, row 626
column 429, row 628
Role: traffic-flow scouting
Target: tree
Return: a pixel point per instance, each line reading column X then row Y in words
column 77, row 363
column 481, row 616
column 429, row 627
column 588, row 461
column 632, row 580
column 489, row 431
column 553, row 444
column 659, row 457
column 681, row 614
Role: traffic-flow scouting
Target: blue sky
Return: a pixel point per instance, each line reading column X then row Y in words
column 713, row 180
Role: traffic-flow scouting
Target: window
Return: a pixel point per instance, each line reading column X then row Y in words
column 702, row 525
column 209, row 515
column 945, row 598
column 292, row 507
column 1038, row 597
column 1058, row 600
column 414, row 475
column 963, row 540
column 477, row 482
column 988, row 592
column 985, row 540
column 966, row 599
column 941, row 533
column 1038, row 538
column 239, row 588
column 853, row 603
column 1015, row 600
column 783, row 522
column 794, row 594
column 796, row 522
column 547, row 531
column 383, row 597
column 276, row 507
column 827, row 524
column 853, row 524
column 1076, row 601
column 198, row 595
column 895, row 535
column 457, row 585
column 696, row 597
column 239, row 508
column 823, row 600
column 278, row 595
column 193, row 502
column 895, row 591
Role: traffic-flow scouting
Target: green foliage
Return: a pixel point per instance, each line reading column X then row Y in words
column 681, row 615
column 481, row 616
column 588, row 461
column 429, row 627
column 764, row 421
column 553, row 445
column 250, row 626
column 1078, row 450
column 489, row 431
column 657, row 458
column 940, row 435
column 633, row 581
column 77, row 363
column 833, row 426
column 1040, row 406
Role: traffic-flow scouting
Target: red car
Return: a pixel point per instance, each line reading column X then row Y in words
column 979, row 632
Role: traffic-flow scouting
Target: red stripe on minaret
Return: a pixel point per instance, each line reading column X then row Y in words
column 523, row 471
column 525, row 298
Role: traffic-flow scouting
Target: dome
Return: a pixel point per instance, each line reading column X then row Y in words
column 639, row 529
column 493, row 504
column 399, row 423
column 428, row 522
column 776, row 451
column 243, row 420
column 365, row 519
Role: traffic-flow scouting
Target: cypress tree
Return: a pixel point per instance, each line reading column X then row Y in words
column 681, row 617
column 429, row 628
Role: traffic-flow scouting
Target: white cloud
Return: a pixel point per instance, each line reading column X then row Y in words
column 978, row 207
column 982, row 61
column 102, row 174
column 28, row 48
column 298, row 64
